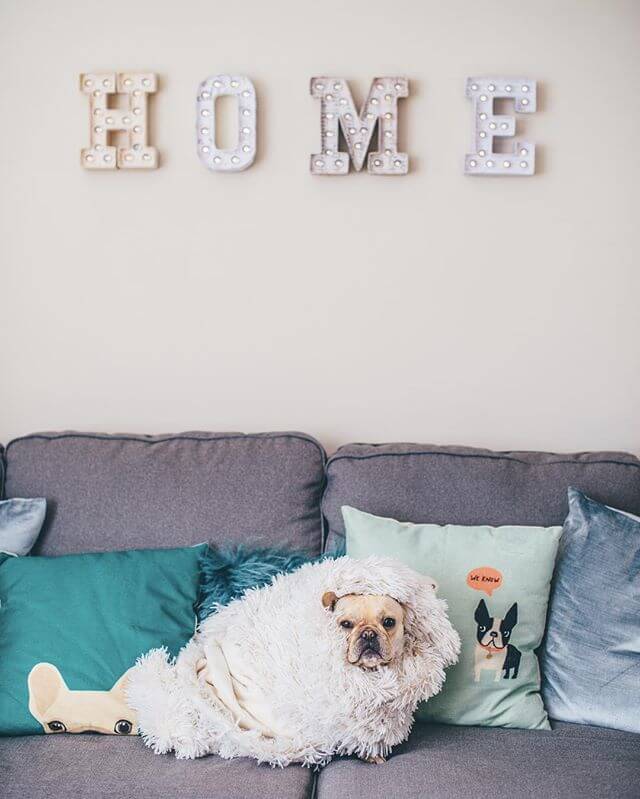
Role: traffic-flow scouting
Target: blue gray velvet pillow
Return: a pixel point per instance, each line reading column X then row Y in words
column 20, row 523
column 591, row 660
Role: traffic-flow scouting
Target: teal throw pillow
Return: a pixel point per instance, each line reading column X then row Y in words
column 72, row 626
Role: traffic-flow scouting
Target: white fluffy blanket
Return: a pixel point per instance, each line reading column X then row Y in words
column 313, row 702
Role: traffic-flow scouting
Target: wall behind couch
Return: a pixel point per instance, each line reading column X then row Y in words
column 435, row 307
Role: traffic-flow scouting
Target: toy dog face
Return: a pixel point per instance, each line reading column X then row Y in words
column 494, row 632
column 60, row 710
column 374, row 627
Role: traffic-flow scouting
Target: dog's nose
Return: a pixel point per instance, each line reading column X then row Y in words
column 369, row 635
column 494, row 634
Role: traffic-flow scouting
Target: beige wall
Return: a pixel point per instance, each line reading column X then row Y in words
column 435, row 307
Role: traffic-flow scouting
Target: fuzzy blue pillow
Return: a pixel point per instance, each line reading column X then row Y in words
column 591, row 661
column 225, row 574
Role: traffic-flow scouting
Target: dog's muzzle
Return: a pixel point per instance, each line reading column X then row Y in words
column 369, row 644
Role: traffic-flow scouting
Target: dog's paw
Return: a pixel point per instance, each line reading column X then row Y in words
column 376, row 760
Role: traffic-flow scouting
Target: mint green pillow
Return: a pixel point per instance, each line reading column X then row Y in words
column 72, row 626
column 496, row 581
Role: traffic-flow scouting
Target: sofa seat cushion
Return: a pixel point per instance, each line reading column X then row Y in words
column 132, row 491
column 104, row 767
column 569, row 762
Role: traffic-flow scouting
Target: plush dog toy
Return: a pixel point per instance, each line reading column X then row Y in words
column 331, row 659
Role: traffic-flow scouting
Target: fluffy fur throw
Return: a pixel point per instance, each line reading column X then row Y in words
column 325, row 705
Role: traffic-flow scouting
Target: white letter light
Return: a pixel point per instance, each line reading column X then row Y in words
column 136, row 86
column 243, row 154
column 338, row 111
column 486, row 125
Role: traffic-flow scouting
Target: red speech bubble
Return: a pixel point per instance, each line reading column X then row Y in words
column 484, row 578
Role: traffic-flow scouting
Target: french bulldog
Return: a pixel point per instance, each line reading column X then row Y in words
column 374, row 627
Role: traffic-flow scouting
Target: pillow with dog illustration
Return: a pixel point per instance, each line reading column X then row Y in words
column 496, row 581
column 72, row 626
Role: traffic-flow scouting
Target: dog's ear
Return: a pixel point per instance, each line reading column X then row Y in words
column 45, row 683
column 511, row 617
column 329, row 600
column 481, row 615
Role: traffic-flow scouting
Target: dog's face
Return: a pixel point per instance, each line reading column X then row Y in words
column 492, row 631
column 373, row 626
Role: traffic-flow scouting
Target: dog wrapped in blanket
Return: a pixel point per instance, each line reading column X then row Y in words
column 331, row 659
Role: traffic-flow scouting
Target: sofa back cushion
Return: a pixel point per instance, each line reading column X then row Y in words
column 462, row 485
column 109, row 492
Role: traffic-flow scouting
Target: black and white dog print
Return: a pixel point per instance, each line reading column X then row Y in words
column 493, row 648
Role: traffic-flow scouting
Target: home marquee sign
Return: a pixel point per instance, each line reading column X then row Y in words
column 338, row 114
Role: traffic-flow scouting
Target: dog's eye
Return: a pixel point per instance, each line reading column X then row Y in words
column 389, row 622
column 123, row 727
column 56, row 726
column 346, row 624
column 506, row 634
column 481, row 628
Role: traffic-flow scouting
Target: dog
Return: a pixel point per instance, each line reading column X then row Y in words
column 375, row 631
column 60, row 709
column 331, row 659
column 493, row 649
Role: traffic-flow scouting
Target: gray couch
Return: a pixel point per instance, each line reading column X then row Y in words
column 279, row 489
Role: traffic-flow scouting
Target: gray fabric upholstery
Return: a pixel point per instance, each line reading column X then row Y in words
column 461, row 485
column 111, row 492
column 122, row 492
column 109, row 767
column 570, row 762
